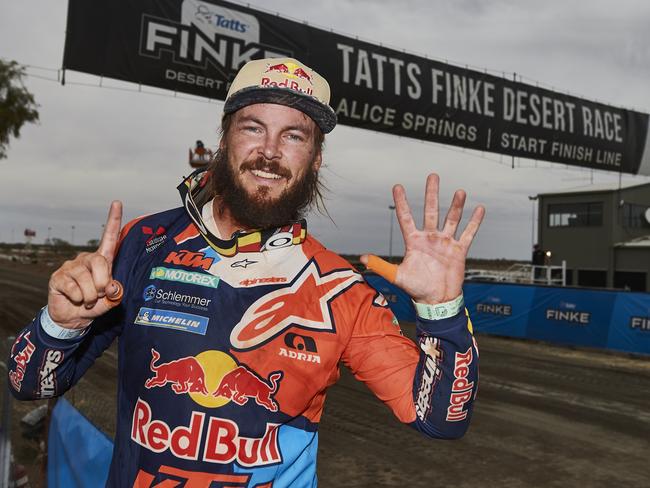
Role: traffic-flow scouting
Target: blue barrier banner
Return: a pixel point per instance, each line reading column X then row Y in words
column 630, row 329
column 78, row 454
column 398, row 301
column 575, row 316
column 604, row 319
column 499, row 309
column 571, row 316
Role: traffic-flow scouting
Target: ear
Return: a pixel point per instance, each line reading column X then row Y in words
column 318, row 160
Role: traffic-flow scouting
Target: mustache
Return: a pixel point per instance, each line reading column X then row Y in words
column 262, row 164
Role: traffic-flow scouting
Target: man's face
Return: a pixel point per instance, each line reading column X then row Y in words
column 267, row 165
column 270, row 148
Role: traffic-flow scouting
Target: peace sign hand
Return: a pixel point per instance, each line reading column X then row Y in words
column 83, row 288
column 433, row 268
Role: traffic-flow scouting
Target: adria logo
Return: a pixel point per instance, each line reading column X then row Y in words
column 304, row 304
column 189, row 259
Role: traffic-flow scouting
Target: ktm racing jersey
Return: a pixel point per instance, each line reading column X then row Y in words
column 227, row 348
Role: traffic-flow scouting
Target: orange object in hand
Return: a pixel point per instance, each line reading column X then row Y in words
column 382, row 267
column 117, row 296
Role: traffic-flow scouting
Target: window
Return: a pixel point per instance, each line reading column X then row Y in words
column 575, row 214
column 590, row 277
column 634, row 215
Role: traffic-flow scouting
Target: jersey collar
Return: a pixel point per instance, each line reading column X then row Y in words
column 195, row 193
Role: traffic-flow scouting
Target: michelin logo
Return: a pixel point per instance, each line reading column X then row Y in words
column 169, row 319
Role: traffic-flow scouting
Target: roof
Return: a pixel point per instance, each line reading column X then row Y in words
column 602, row 188
column 643, row 241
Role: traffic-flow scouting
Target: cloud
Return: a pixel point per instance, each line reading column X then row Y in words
column 94, row 145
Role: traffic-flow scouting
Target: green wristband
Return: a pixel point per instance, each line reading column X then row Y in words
column 440, row 310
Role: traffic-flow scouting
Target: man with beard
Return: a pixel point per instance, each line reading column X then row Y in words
column 234, row 320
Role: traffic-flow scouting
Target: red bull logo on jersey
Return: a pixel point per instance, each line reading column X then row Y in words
column 461, row 388
column 21, row 359
column 213, row 379
column 305, row 304
column 212, row 439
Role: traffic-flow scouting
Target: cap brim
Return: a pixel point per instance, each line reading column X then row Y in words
column 322, row 114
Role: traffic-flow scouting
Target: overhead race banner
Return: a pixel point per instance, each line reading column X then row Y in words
column 197, row 46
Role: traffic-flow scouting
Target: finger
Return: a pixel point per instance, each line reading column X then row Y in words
column 64, row 285
column 474, row 223
column 403, row 211
column 111, row 233
column 381, row 267
column 84, row 280
column 100, row 271
column 431, row 202
column 455, row 213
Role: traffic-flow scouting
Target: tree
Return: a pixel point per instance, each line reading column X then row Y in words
column 17, row 105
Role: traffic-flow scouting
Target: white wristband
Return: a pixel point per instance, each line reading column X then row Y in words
column 440, row 310
column 53, row 329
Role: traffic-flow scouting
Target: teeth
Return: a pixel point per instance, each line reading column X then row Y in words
column 264, row 174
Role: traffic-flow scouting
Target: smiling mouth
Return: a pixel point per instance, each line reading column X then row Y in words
column 266, row 175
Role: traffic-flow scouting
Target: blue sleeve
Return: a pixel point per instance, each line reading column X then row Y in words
column 446, row 376
column 42, row 366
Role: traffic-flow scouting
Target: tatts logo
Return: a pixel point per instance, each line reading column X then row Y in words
column 306, row 304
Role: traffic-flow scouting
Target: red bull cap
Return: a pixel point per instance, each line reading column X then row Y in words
column 285, row 81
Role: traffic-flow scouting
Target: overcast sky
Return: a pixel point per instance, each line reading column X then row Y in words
column 94, row 144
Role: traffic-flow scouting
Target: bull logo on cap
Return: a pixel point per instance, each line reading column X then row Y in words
column 291, row 70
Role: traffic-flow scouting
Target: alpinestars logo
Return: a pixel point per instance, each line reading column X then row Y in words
column 306, row 304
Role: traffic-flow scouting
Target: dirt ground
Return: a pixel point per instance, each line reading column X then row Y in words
column 545, row 416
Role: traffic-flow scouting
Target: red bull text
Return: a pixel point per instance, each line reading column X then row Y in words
column 292, row 85
column 219, row 438
column 461, row 389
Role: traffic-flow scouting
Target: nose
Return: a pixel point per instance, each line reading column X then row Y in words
column 270, row 148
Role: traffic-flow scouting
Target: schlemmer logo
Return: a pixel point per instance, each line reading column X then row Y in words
column 225, row 37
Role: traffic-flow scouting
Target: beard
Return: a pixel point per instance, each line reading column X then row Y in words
column 258, row 210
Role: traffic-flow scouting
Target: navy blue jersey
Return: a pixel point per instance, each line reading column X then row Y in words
column 227, row 348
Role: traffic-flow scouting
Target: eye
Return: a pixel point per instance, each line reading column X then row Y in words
column 254, row 129
column 295, row 136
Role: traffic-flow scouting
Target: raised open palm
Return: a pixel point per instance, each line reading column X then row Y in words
column 433, row 268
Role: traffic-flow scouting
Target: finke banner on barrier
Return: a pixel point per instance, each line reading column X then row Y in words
column 196, row 46
column 604, row 319
column 583, row 317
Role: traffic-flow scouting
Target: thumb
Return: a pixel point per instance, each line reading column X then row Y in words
column 114, row 293
column 381, row 267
